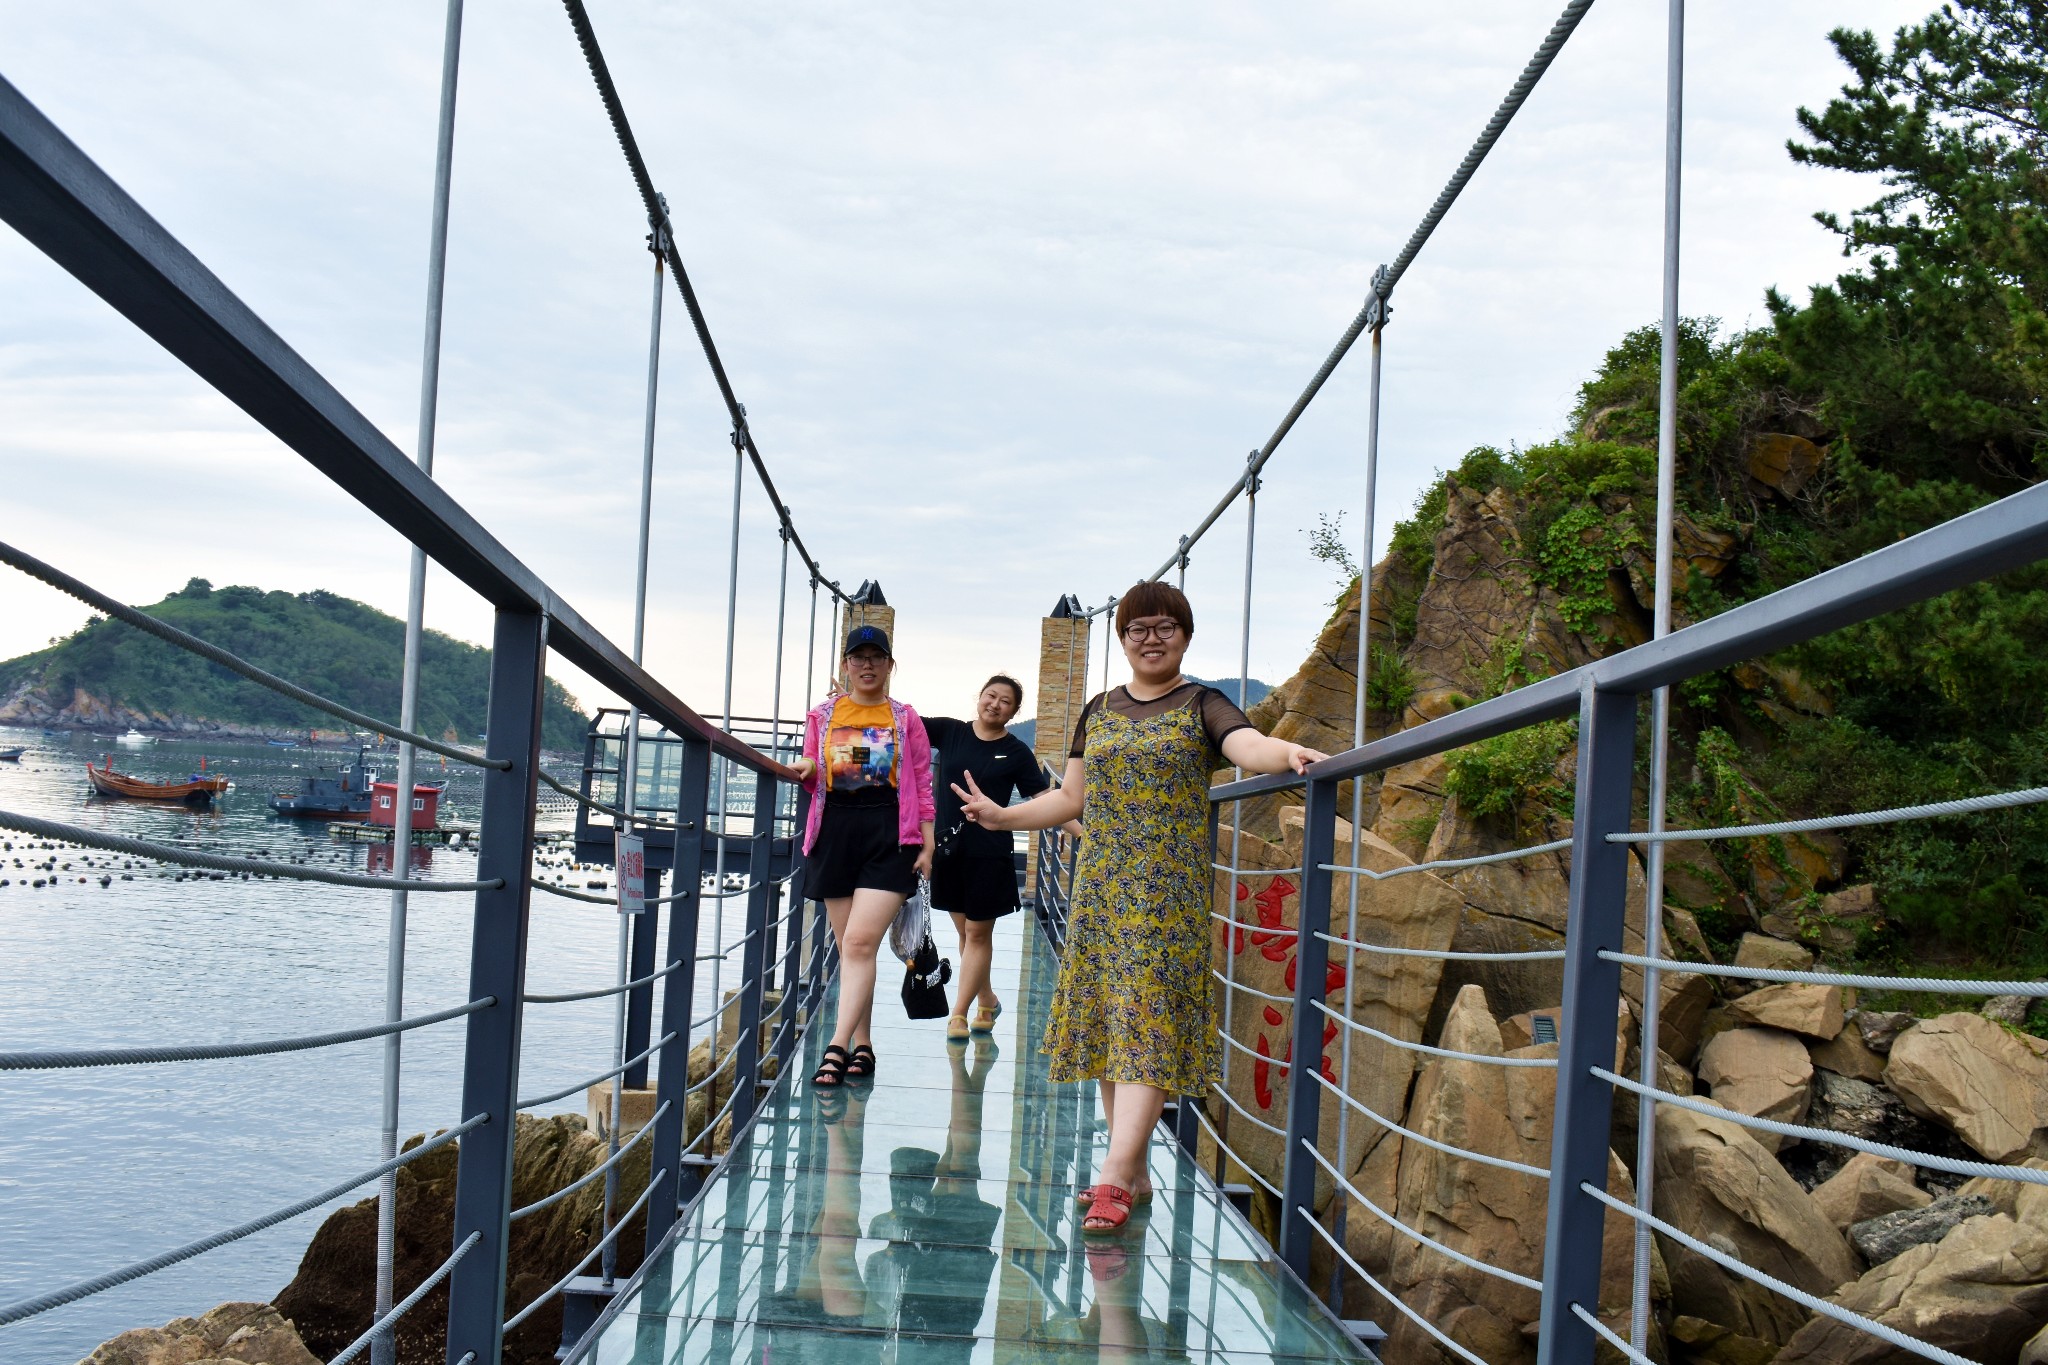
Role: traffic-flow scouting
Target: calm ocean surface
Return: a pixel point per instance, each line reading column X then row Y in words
column 106, row 1166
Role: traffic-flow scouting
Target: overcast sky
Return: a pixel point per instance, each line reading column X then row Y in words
column 1009, row 292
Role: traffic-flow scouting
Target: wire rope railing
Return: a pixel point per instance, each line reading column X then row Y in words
column 73, row 1058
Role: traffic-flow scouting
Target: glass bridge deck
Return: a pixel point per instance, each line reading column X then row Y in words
column 928, row 1218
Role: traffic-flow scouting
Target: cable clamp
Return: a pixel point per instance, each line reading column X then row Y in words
column 1377, row 310
column 1251, row 484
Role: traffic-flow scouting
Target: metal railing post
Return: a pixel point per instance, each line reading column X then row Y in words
column 754, row 960
column 678, row 991
column 640, row 1000
column 497, row 968
column 1579, row 1143
column 1305, row 1056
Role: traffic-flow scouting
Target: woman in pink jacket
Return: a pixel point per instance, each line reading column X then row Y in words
column 867, row 764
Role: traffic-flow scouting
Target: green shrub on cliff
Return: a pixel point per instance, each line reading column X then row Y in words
column 325, row 642
column 1919, row 377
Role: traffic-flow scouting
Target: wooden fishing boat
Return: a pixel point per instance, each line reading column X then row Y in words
column 198, row 790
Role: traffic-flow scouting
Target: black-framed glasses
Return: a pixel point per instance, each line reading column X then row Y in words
column 1161, row 632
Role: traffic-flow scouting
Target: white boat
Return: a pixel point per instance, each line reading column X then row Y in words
column 135, row 736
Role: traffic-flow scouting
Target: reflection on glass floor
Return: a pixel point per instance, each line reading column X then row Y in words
column 930, row 1217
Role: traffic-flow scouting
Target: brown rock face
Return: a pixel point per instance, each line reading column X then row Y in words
column 1967, row 1073
column 1797, row 1007
column 331, row 1297
column 1486, row 1212
column 1715, row 1183
column 1761, row 1072
column 1868, row 1186
column 247, row 1333
column 1981, row 1291
column 1388, row 993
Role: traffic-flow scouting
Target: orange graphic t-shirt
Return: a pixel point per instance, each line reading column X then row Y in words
column 860, row 747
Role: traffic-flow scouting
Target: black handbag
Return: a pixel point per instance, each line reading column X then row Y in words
column 924, row 983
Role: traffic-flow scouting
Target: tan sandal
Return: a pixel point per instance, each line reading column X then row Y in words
column 956, row 1029
column 985, row 1017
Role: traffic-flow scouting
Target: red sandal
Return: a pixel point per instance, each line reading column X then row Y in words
column 1110, row 1209
column 1086, row 1196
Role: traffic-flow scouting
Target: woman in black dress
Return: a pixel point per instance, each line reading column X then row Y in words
column 974, row 876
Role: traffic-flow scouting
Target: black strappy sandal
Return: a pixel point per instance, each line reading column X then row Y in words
column 861, row 1066
column 833, row 1069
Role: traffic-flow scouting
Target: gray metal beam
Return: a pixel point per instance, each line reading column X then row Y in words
column 1581, row 1133
column 497, row 968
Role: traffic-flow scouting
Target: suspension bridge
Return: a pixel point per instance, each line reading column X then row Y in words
column 933, row 1216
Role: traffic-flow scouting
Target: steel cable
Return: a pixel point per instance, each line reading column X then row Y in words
column 600, row 993
column 1935, row 810
column 1389, row 1295
column 132, row 1056
column 1540, row 1063
column 559, row 1195
column 1352, row 1195
column 1933, row 985
column 1446, row 1148
column 568, row 1090
column 171, row 853
column 1792, row 1292
column 170, row 634
column 559, row 1285
column 43, row 1303
column 1384, row 281
column 1480, row 861
column 408, row 1303
column 1446, row 954
column 1978, row 1170
column 580, row 799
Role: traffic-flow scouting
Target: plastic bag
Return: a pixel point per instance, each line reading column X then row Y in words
column 913, row 924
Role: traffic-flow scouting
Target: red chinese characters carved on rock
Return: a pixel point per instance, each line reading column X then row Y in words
column 1276, row 942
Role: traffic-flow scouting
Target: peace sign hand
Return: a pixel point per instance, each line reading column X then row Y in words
column 977, row 807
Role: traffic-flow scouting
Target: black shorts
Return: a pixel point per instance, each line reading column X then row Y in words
column 979, row 888
column 858, row 847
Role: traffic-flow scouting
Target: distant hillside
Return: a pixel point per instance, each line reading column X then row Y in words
column 1254, row 693
column 109, row 674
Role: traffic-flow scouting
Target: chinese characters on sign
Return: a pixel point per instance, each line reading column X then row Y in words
column 632, row 868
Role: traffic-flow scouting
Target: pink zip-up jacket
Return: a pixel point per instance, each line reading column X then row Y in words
column 914, row 803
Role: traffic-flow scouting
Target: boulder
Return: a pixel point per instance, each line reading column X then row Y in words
column 2008, row 1010
column 1761, row 1072
column 1981, row 1291
column 1799, row 1007
column 2035, row 1352
column 1888, row 1234
column 1868, row 1186
column 1484, row 1211
column 1699, row 1342
column 1771, row 954
column 1881, row 1028
column 1683, row 1001
column 332, row 1297
column 248, row 1333
column 1682, row 929
column 1846, row 1054
column 1842, row 1104
column 1967, row 1073
column 2003, row 1194
column 1716, row 1183
column 1411, row 799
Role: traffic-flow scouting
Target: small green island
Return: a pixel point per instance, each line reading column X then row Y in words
column 109, row 675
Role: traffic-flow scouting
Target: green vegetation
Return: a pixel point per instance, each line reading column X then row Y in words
column 327, row 643
column 1515, row 774
column 1917, row 385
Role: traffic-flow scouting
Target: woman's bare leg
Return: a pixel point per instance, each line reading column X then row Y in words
column 977, row 954
column 1133, row 1111
column 859, row 930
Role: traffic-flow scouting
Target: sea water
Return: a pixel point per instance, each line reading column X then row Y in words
column 102, row 1167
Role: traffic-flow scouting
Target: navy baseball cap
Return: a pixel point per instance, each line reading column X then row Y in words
column 867, row 635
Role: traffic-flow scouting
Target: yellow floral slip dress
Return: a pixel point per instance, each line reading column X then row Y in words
column 1133, row 1000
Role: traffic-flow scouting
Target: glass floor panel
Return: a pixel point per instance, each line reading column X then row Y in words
column 929, row 1216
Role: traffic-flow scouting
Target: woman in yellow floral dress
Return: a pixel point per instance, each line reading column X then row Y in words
column 1133, row 1009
